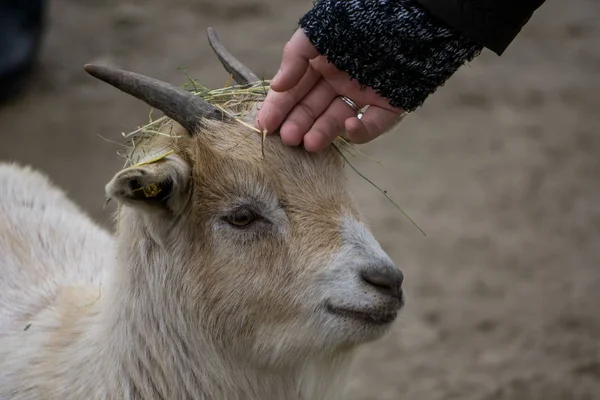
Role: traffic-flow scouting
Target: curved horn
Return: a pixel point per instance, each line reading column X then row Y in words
column 241, row 74
column 175, row 102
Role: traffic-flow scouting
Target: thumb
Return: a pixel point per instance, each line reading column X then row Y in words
column 297, row 53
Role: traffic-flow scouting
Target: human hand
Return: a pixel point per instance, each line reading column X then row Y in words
column 304, row 101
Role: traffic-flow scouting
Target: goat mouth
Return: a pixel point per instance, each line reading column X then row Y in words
column 374, row 317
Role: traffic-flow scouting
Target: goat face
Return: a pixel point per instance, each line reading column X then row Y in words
column 266, row 256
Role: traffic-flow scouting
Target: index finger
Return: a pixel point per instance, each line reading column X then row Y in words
column 277, row 105
column 297, row 53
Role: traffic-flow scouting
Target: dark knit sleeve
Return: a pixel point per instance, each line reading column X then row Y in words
column 393, row 46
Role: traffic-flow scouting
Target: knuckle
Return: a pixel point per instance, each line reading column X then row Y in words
column 306, row 111
column 330, row 126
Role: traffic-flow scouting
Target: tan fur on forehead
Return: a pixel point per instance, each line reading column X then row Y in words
column 231, row 141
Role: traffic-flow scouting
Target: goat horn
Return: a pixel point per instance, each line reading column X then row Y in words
column 241, row 74
column 177, row 103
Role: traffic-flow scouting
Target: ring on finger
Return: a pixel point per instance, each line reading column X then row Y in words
column 353, row 105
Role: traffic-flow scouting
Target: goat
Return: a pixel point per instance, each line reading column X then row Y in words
column 245, row 277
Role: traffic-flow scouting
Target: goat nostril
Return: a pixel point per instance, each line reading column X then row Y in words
column 387, row 281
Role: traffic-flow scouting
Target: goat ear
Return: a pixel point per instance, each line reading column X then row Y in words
column 160, row 184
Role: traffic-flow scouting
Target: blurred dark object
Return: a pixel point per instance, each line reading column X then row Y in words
column 22, row 25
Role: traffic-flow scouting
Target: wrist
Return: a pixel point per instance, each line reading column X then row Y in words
column 393, row 46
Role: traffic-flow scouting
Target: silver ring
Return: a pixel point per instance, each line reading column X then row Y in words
column 352, row 104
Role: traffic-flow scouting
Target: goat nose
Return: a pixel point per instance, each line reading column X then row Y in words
column 386, row 280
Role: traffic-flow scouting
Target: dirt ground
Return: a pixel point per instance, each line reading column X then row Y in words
column 501, row 168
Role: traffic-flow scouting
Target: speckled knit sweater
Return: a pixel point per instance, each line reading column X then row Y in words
column 396, row 47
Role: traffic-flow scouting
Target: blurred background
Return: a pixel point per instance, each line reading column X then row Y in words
column 501, row 168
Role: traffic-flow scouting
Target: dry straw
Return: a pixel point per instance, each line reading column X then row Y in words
column 236, row 101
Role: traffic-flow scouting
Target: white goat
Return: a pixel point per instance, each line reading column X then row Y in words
column 244, row 278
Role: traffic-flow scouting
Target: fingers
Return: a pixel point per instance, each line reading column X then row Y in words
column 304, row 92
column 295, row 61
column 328, row 126
column 306, row 112
column 277, row 105
column 374, row 122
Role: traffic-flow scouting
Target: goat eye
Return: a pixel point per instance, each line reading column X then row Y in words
column 241, row 218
